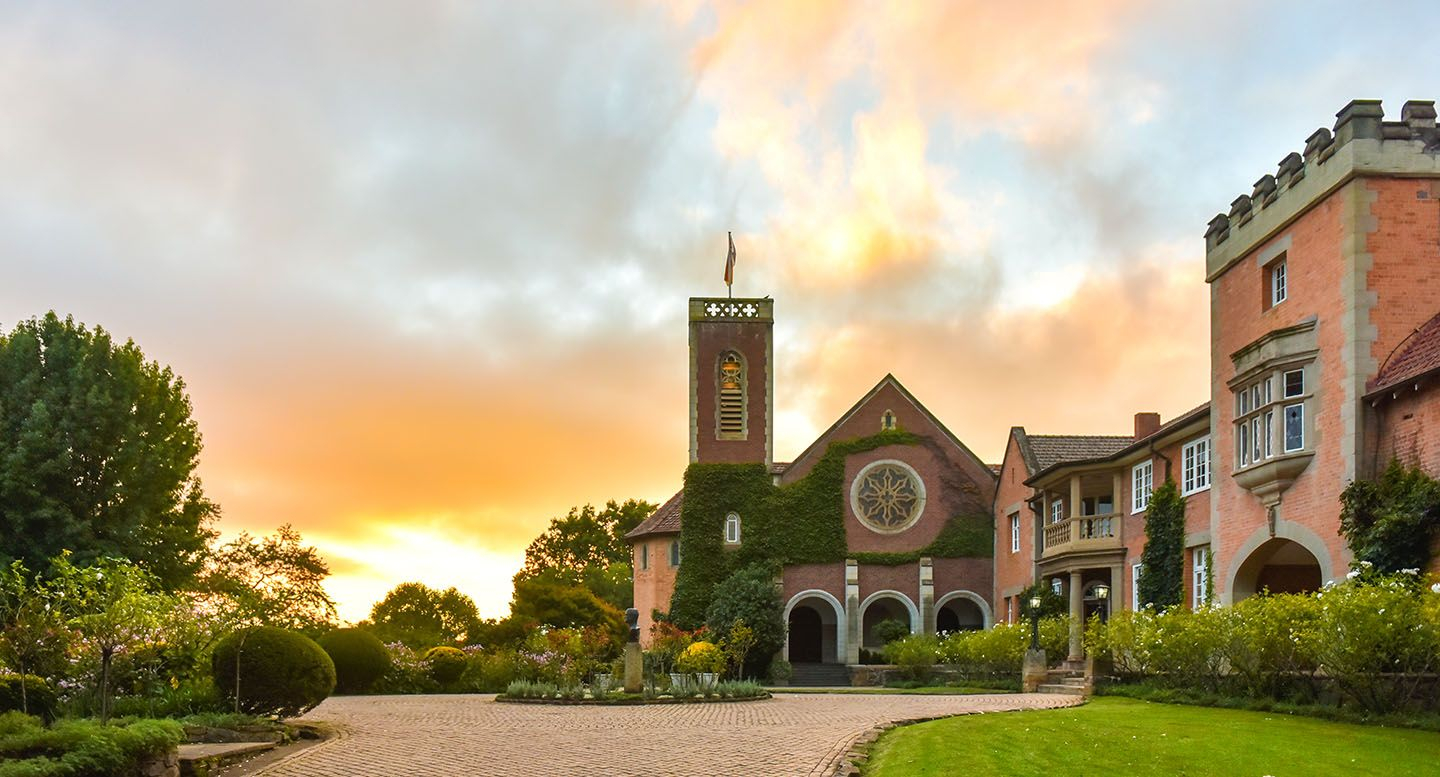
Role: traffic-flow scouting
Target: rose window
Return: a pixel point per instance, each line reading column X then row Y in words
column 887, row 496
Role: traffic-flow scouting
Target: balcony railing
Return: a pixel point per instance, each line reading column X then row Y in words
column 1082, row 532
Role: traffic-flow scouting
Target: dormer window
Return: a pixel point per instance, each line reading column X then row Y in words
column 887, row 421
column 730, row 397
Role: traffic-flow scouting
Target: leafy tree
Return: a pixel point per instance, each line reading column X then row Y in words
column 1051, row 603
column 561, row 606
column 1392, row 521
column 112, row 605
column 422, row 617
column 1163, row 574
column 750, row 597
column 270, row 581
column 97, row 453
column 588, row 548
column 32, row 635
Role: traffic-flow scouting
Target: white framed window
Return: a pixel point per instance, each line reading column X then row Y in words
column 1142, row 482
column 1196, row 456
column 1294, row 427
column 1135, row 585
column 1243, row 443
column 1199, row 576
column 675, row 553
column 1057, row 511
column 1278, row 286
column 1294, row 383
column 732, row 529
column 1015, row 533
column 1269, row 433
column 644, row 556
column 1056, row 586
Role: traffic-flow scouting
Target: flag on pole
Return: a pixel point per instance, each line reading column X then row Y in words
column 730, row 263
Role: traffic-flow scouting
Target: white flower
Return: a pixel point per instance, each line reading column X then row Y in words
column 1410, row 571
column 1366, row 564
column 1352, row 574
column 1435, row 589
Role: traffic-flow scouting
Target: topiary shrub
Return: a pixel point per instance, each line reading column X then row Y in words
column 360, row 659
column 38, row 698
column 281, row 672
column 445, row 664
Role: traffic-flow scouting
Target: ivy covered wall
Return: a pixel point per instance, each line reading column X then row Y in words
column 800, row 522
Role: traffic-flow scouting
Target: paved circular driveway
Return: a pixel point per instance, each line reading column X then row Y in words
column 791, row 734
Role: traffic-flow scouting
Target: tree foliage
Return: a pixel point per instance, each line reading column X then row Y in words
column 750, row 597
column 587, row 547
column 1391, row 522
column 557, row 605
column 270, row 581
column 33, row 637
column 422, row 617
column 97, row 453
column 1163, row 572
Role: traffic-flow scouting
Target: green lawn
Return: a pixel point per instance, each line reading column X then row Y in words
column 1123, row 736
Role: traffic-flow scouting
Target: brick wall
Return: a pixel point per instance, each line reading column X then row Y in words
column 751, row 339
column 1013, row 570
column 653, row 586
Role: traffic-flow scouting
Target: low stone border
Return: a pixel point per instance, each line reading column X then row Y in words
column 859, row 751
column 628, row 702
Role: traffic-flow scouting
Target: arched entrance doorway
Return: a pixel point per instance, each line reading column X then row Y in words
column 881, row 607
column 1279, row 566
column 959, row 613
column 813, row 621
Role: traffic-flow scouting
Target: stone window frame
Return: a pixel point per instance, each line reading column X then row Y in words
column 732, row 529
column 1262, row 413
column 1140, row 494
column 916, row 510
column 1196, row 466
column 887, row 420
column 1277, row 281
column 674, row 554
column 743, row 378
column 1014, row 532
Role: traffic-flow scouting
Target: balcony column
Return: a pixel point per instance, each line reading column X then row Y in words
column 1117, row 489
column 1076, row 501
column 1077, row 648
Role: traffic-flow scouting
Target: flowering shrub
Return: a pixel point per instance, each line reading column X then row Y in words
column 667, row 642
column 977, row 654
column 701, row 657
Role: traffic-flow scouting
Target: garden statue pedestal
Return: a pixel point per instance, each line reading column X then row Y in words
column 633, row 678
column 1033, row 673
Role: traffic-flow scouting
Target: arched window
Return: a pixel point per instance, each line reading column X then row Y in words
column 675, row 553
column 730, row 397
column 732, row 529
column 887, row 421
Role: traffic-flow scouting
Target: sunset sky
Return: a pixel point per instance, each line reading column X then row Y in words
column 424, row 265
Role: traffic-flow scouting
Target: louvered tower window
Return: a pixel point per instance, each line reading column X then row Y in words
column 732, row 397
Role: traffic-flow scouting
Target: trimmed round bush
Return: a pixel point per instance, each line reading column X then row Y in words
column 281, row 672
column 445, row 664
column 360, row 659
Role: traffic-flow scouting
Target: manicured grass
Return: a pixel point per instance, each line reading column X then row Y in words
column 929, row 690
column 1123, row 736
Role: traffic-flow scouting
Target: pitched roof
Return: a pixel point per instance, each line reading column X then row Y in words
column 1421, row 354
column 1052, row 449
column 665, row 519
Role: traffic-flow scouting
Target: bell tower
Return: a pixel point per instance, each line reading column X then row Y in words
column 732, row 379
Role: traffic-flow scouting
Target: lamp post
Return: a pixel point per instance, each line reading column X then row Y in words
column 1102, row 593
column 1035, row 602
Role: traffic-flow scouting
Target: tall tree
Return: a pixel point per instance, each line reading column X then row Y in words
column 1162, row 574
column 270, row 581
column 422, row 617
column 97, row 453
column 587, row 548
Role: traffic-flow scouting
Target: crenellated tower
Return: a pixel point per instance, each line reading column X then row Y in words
column 732, row 379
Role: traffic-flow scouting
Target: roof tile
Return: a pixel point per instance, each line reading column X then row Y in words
column 665, row 519
column 1419, row 356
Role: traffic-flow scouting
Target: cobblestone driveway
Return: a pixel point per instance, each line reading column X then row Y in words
column 792, row 734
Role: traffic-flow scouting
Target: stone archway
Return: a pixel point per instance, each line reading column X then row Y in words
column 961, row 611
column 882, row 606
column 815, row 629
column 1279, row 566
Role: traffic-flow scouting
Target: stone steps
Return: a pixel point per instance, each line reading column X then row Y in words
column 820, row 675
column 208, row 759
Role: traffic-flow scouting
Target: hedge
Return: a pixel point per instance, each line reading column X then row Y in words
column 360, row 659
column 81, row 748
column 281, row 672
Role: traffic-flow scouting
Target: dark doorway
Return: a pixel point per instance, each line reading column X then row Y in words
column 959, row 614
column 806, row 635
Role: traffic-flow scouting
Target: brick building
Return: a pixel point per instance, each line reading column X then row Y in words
column 897, row 499
column 1325, row 353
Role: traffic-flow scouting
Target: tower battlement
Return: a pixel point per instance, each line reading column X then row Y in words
column 1361, row 143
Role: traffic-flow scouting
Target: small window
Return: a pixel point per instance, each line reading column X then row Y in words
column 1197, row 465
column 1244, row 444
column 1015, row 533
column 1294, row 428
column 887, row 421
column 1200, row 577
column 1278, row 290
column 732, row 529
column 1294, row 383
column 644, row 556
column 1135, row 585
column 1057, row 511
column 675, row 553
column 1142, row 483
column 1269, row 433
column 1055, row 585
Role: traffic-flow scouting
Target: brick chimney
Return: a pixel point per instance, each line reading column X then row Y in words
column 1146, row 424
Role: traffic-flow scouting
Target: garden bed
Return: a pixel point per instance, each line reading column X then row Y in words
column 632, row 700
